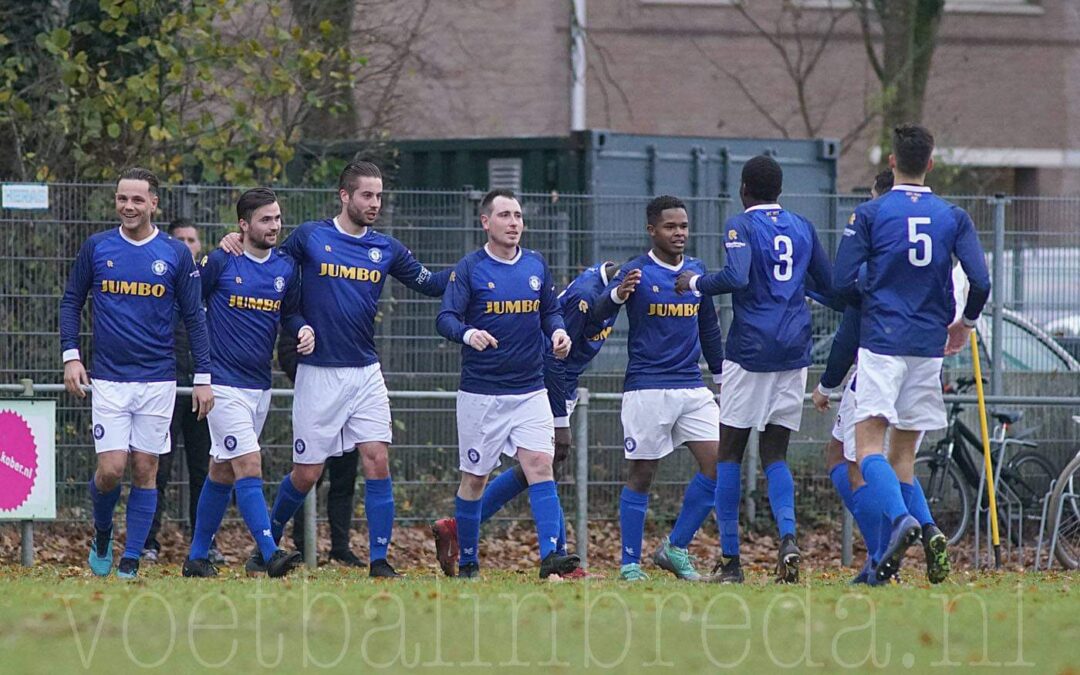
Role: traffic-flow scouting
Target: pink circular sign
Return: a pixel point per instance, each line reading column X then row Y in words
column 18, row 461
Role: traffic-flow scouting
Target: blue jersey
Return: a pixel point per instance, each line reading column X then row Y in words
column 668, row 331
column 343, row 276
column 577, row 302
column 515, row 302
column 136, row 286
column 907, row 238
column 245, row 298
column 844, row 349
column 771, row 255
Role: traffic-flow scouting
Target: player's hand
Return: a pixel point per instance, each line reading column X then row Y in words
column 959, row 336
column 821, row 401
column 481, row 340
column 560, row 344
column 682, row 283
column 233, row 243
column 202, row 400
column 74, row 377
column 305, row 341
column 563, row 440
column 629, row 284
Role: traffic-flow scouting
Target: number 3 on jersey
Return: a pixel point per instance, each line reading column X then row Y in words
column 922, row 246
column 782, row 244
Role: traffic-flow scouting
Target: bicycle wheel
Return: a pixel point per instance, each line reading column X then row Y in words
column 1067, row 526
column 1028, row 475
column 946, row 494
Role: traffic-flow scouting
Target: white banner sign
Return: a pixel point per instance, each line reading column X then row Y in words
column 25, row 196
column 27, row 459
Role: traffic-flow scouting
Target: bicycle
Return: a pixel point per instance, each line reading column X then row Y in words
column 952, row 469
column 1063, row 511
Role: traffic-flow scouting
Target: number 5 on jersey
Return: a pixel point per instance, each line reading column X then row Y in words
column 922, row 246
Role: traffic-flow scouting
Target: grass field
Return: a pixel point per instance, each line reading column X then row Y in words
column 56, row 620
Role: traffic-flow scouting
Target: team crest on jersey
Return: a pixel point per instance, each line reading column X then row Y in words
column 159, row 267
column 299, row 446
column 279, row 284
column 99, row 431
column 914, row 197
column 375, row 255
column 230, row 443
column 583, row 307
column 630, row 444
column 473, row 454
column 534, row 282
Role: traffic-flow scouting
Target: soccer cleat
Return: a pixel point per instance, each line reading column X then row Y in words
column 150, row 555
column 215, row 556
column 728, row 571
column 935, row 545
column 347, row 558
column 581, row 573
column 864, row 575
column 469, row 571
column 255, row 564
column 787, row 561
column 632, row 572
column 446, row 544
column 101, row 553
column 905, row 533
column 283, row 562
column 200, row 567
column 128, row 568
column 382, row 569
column 676, row 560
column 555, row 563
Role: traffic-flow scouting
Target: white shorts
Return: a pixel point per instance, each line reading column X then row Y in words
column 132, row 416
column 844, row 428
column 656, row 421
column 336, row 408
column 905, row 390
column 564, row 422
column 750, row 400
column 489, row 426
column 236, row 421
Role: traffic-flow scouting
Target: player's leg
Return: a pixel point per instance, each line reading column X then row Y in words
column 467, row 508
column 164, row 475
column 633, row 506
column 111, row 418
column 727, row 499
column 482, row 436
column 213, row 502
column 340, row 501
column 773, row 446
column 378, row 504
column 197, row 454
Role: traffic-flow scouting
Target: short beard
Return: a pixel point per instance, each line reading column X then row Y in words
column 356, row 216
column 260, row 243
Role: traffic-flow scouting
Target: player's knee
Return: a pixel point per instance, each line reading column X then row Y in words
column 640, row 476
column 144, row 470
column 471, row 487
column 304, row 476
column 376, row 459
column 220, row 472
column 834, row 454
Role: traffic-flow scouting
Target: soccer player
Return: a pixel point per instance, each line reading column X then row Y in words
column 245, row 297
column 561, row 381
column 771, row 255
column 907, row 240
column 138, row 275
column 500, row 306
column 665, row 401
column 340, row 402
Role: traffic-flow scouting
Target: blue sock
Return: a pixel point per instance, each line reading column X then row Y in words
column 884, row 532
column 867, row 517
column 104, row 506
column 632, row 508
column 142, row 503
column 781, row 488
column 842, row 482
column 379, row 506
column 915, row 500
column 728, row 495
column 467, row 515
column 252, row 505
column 885, row 486
column 505, row 487
column 560, row 548
column 547, row 512
column 213, row 502
column 696, row 506
column 286, row 504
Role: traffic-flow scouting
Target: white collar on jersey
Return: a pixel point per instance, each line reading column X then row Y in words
column 337, row 225
column 661, row 263
column 261, row 260
column 603, row 271
column 144, row 242
column 907, row 187
column 764, row 207
column 503, row 260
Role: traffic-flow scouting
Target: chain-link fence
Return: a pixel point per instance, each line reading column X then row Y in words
column 1039, row 265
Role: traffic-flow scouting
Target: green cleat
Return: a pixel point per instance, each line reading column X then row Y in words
column 632, row 572
column 676, row 560
column 937, row 554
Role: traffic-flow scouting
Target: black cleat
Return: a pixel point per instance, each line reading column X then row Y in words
column 382, row 569
column 905, row 533
column 200, row 567
column 128, row 568
column 787, row 561
column 347, row 558
column 728, row 571
column 935, row 545
column 283, row 562
column 558, row 564
column 255, row 564
column 469, row 571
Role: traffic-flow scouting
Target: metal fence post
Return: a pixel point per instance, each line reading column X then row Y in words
column 999, row 201
column 311, row 532
column 27, row 540
column 581, row 473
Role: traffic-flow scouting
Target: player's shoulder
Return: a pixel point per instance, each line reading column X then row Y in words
column 869, row 209
column 307, row 227
column 173, row 245
column 217, row 257
column 636, row 263
column 692, row 264
column 533, row 255
column 98, row 238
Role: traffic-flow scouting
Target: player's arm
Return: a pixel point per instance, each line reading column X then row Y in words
column 735, row 274
column 295, row 245
column 853, row 253
column 455, row 301
column 712, row 338
column 189, row 299
column 555, row 383
column 407, row 269
column 71, row 306
column 970, row 253
column 616, row 293
column 210, row 269
column 845, row 346
column 819, row 271
column 292, row 319
column 551, row 317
